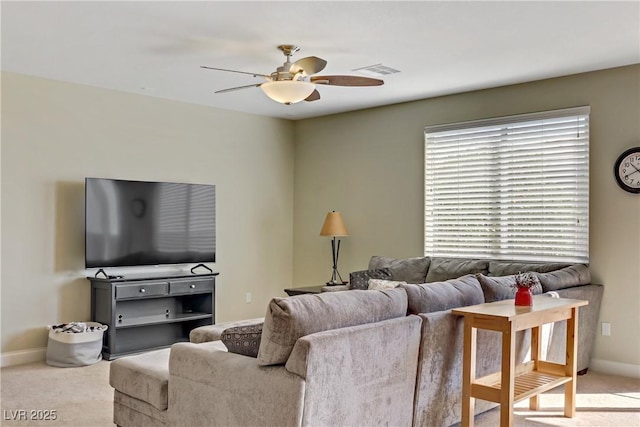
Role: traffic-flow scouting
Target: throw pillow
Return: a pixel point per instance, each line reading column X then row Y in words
column 288, row 319
column 410, row 270
column 501, row 288
column 438, row 296
column 382, row 285
column 360, row 279
column 567, row 277
column 243, row 340
column 442, row 269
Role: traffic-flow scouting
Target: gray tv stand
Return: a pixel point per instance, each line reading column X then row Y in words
column 145, row 312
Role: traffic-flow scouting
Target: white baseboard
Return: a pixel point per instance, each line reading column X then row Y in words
column 615, row 368
column 20, row 357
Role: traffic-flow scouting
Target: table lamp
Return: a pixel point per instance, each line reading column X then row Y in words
column 334, row 227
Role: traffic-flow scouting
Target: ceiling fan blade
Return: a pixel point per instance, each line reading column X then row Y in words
column 234, row 71
column 310, row 65
column 315, row 95
column 346, row 81
column 237, row 88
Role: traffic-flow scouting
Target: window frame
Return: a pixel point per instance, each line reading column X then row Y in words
column 495, row 248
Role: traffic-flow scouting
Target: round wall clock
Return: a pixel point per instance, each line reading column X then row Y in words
column 627, row 170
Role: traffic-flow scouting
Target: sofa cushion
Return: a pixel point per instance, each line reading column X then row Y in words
column 506, row 268
column 360, row 279
column 438, row 296
column 381, row 285
column 144, row 376
column 410, row 270
column 501, row 288
column 243, row 339
column 567, row 277
column 288, row 319
column 442, row 269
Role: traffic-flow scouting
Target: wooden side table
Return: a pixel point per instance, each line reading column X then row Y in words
column 525, row 381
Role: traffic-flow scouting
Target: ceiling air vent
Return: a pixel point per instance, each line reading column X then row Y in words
column 377, row 70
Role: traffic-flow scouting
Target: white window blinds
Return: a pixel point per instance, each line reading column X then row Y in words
column 512, row 188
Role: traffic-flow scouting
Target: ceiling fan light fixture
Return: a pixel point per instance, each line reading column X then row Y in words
column 288, row 91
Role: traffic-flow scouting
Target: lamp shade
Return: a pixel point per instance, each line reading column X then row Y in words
column 287, row 91
column 334, row 225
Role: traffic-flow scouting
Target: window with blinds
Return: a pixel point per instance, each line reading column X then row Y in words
column 513, row 188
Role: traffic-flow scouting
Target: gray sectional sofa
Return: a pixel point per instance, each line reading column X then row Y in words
column 496, row 277
column 355, row 358
column 334, row 359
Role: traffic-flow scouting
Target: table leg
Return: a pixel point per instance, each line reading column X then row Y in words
column 507, row 382
column 536, row 353
column 570, row 365
column 468, row 373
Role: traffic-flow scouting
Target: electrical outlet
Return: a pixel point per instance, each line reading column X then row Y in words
column 606, row 329
column 247, row 297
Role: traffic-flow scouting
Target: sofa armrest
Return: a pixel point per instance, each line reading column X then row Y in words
column 209, row 386
column 359, row 375
column 587, row 325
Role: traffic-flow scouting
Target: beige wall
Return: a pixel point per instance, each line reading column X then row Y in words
column 369, row 165
column 56, row 134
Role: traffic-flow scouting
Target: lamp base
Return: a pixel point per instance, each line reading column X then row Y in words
column 336, row 278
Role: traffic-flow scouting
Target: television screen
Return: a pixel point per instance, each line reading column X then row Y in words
column 130, row 223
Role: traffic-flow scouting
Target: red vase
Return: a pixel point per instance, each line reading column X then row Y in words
column 524, row 297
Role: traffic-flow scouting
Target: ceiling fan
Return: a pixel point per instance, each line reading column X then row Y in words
column 294, row 82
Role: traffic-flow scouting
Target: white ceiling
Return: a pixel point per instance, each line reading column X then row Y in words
column 441, row 47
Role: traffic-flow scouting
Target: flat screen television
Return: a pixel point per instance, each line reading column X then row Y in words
column 137, row 223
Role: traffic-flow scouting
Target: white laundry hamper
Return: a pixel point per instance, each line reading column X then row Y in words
column 67, row 349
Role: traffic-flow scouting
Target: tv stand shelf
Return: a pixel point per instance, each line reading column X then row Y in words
column 160, row 318
column 150, row 312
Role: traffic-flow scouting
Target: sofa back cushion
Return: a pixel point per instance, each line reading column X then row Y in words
column 506, row 268
column 567, row 277
column 410, row 270
column 438, row 400
column 451, row 268
column 438, row 296
column 288, row 319
column 504, row 287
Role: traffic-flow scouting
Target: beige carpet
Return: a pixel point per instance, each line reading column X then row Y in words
column 82, row 397
column 601, row 401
